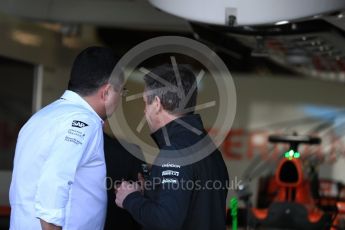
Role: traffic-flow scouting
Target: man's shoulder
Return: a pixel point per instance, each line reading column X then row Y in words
column 66, row 114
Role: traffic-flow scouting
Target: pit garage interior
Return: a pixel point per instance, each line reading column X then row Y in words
column 285, row 151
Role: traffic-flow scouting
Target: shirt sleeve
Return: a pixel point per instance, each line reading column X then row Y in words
column 73, row 143
column 168, row 209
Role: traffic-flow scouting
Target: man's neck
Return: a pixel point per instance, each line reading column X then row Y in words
column 92, row 101
column 166, row 118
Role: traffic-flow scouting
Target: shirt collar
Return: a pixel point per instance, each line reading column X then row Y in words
column 76, row 98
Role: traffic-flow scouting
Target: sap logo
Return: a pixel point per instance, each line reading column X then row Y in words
column 79, row 124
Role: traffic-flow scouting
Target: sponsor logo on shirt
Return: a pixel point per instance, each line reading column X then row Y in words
column 79, row 124
column 73, row 140
column 170, row 173
column 169, row 165
column 76, row 133
column 173, row 181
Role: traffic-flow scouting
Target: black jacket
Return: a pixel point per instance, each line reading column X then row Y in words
column 181, row 196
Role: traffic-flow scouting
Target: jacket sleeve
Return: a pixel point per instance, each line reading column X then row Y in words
column 72, row 144
column 172, row 194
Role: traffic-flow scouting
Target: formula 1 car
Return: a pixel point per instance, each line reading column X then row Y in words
column 293, row 197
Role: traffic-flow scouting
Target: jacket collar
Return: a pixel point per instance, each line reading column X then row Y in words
column 188, row 124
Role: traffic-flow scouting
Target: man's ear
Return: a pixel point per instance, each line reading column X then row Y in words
column 104, row 91
column 157, row 104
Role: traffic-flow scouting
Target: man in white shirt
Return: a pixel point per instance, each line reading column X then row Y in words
column 58, row 179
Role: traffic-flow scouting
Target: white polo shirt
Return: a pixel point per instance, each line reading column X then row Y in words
column 59, row 168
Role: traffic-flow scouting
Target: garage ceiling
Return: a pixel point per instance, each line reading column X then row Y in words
column 117, row 13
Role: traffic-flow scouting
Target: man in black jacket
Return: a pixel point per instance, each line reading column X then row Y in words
column 184, row 191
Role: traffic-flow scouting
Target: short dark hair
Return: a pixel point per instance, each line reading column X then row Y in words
column 162, row 82
column 91, row 69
